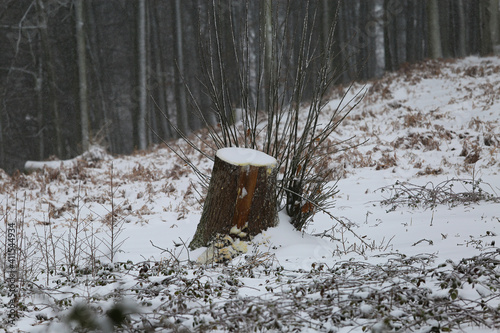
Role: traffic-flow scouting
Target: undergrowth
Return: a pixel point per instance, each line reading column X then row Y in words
column 451, row 192
column 402, row 294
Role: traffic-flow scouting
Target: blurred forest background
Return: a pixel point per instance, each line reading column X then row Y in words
column 74, row 72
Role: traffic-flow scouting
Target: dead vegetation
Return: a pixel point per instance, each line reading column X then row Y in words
column 422, row 131
column 451, row 192
column 417, row 141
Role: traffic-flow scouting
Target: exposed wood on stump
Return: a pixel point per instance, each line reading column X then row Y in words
column 241, row 199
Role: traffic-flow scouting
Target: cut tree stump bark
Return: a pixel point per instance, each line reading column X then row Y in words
column 241, row 199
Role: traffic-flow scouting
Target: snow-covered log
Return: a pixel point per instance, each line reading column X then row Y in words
column 94, row 154
column 241, row 199
column 30, row 166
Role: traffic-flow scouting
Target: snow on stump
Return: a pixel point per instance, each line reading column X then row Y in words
column 241, row 201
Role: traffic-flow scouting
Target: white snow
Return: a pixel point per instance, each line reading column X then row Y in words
column 245, row 156
column 417, row 126
column 243, row 193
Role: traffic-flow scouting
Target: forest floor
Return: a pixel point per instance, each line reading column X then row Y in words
column 414, row 246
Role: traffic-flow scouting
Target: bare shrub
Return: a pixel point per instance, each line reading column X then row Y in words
column 278, row 117
column 386, row 161
column 114, row 221
column 424, row 141
column 430, row 195
column 471, row 150
column 71, row 243
column 430, row 171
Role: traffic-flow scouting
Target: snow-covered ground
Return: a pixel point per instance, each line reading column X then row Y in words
column 433, row 132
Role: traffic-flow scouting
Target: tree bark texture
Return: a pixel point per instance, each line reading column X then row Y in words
column 141, row 46
column 494, row 26
column 182, row 121
column 461, row 47
column 485, row 28
column 434, row 34
column 48, row 60
column 82, row 75
column 241, row 202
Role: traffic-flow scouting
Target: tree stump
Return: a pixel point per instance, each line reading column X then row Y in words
column 241, row 199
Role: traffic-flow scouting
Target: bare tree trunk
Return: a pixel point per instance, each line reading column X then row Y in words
column 486, row 45
column 82, row 75
column 390, row 38
column 434, row 35
column 366, row 53
column 2, row 142
column 241, row 199
column 49, row 61
column 39, row 118
column 411, row 33
column 326, row 23
column 181, row 96
column 97, row 69
column 268, row 49
column 445, row 27
column 494, row 26
column 420, row 48
column 161, row 73
column 461, row 48
column 141, row 45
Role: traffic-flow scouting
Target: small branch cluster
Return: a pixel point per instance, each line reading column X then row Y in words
column 430, row 195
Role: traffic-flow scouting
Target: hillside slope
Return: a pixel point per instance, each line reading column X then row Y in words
column 421, row 194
